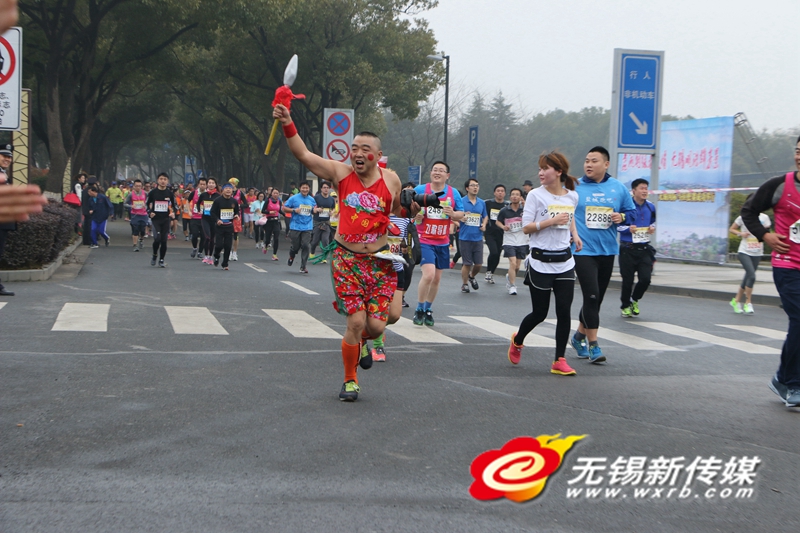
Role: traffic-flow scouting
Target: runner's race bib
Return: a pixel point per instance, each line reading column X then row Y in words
column 325, row 213
column 794, row 232
column 640, row 236
column 394, row 244
column 598, row 217
column 493, row 214
column 160, row 206
column 435, row 213
column 556, row 209
column 515, row 225
column 138, row 204
column 751, row 244
column 305, row 209
column 187, row 208
column 226, row 214
column 207, row 207
column 472, row 219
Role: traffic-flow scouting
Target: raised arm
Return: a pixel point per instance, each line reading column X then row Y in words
column 332, row 171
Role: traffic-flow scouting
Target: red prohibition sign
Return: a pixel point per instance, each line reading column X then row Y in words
column 338, row 150
column 339, row 124
column 12, row 59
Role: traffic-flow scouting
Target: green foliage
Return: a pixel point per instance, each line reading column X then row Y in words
column 39, row 240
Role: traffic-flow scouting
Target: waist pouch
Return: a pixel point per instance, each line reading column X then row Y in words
column 551, row 256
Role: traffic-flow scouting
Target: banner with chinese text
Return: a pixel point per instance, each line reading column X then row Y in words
column 695, row 154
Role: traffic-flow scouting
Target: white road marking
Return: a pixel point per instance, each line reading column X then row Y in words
column 680, row 331
column 301, row 325
column 755, row 330
column 626, row 339
column 504, row 330
column 406, row 329
column 194, row 321
column 82, row 317
column 251, row 265
column 300, row 288
column 3, row 304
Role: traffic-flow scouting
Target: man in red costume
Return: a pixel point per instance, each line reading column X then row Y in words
column 364, row 284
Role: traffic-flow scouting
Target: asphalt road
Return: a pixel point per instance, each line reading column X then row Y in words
column 138, row 428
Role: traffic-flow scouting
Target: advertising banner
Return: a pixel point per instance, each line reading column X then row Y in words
column 695, row 154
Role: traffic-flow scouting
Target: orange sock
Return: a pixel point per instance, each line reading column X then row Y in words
column 350, row 357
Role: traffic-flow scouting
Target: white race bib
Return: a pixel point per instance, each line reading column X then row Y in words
column 556, row 209
column 435, row 213
column 751, row 244
column 161, row 206
column 305, row 209
column 493, row 213
column 472, row 219
column 138, row 204
column 515, row 226
column 325, row 212
column 394, row 244
column 640, row 236
column 226, row 214
column 598, row 217
column 794, row 232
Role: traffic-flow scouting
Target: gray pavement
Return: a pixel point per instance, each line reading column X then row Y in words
column 138, row 428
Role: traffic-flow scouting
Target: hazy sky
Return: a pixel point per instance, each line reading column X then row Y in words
column 722, row 57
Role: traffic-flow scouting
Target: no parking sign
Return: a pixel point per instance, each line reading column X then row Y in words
column 338, row 134
column 10, row 79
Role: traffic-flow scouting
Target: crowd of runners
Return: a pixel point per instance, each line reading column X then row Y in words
column 375, row 230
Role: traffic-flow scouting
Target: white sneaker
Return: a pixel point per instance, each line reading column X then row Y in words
column 234, row 256
column 490, row 279
column 508, row 284
column 748, row 309
column 512, row 290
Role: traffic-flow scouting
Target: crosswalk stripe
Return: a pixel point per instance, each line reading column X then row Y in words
column 406, row 329
column 755, row 330
column 257, row 269
column 680, row 331
column 504, row 330
column 300, row 288
column 3, row 304
column 82, row 317
column 625, row 339
column 194, row 321
column 301, row 325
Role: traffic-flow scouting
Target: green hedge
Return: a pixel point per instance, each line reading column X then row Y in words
column 39, row 240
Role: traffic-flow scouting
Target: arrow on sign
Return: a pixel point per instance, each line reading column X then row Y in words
column 641, row 127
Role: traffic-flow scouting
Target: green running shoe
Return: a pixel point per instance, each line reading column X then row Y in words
column 635, row 308
column 349, row 391
column 365, row 361
column 627, row 312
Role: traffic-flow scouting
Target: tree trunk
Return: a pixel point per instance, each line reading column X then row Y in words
column 58, row 154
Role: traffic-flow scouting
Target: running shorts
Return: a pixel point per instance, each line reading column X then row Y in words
column 362, row 282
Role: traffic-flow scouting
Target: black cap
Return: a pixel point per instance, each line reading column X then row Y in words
column 7, row 149
column 528, row 182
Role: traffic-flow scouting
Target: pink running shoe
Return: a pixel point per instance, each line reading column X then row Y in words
column 515, row 351
column 561, row 368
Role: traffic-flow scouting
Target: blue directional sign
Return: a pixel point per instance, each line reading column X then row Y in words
column 414, row 174
column 638, row 101
column 473, row 152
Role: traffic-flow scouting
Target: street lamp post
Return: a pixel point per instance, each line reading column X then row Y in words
column 446, row 59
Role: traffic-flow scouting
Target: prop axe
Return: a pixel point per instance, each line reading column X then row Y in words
column 284, row 95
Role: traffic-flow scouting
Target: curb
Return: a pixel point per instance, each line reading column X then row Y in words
column 39, row 274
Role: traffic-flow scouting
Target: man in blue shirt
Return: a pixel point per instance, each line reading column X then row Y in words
column 301, row 206
column 471, row 235
column 635, row 252
column 603, row 202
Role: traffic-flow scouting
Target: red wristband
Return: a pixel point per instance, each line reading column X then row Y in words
column 289, row 130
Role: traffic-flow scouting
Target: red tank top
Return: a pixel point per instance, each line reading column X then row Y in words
column 363, row 212
column 787, row 222
column 138, row 203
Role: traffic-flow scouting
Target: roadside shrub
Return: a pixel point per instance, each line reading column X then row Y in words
column 39, row 240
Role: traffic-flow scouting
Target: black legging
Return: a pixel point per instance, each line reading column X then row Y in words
column 272, row 230
column 564, row 290
column 594, row 273
column 196, row 229
column 457, row 255
column 160, row 236
column 208, row 235
column 495, row 243
column 258, row 233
